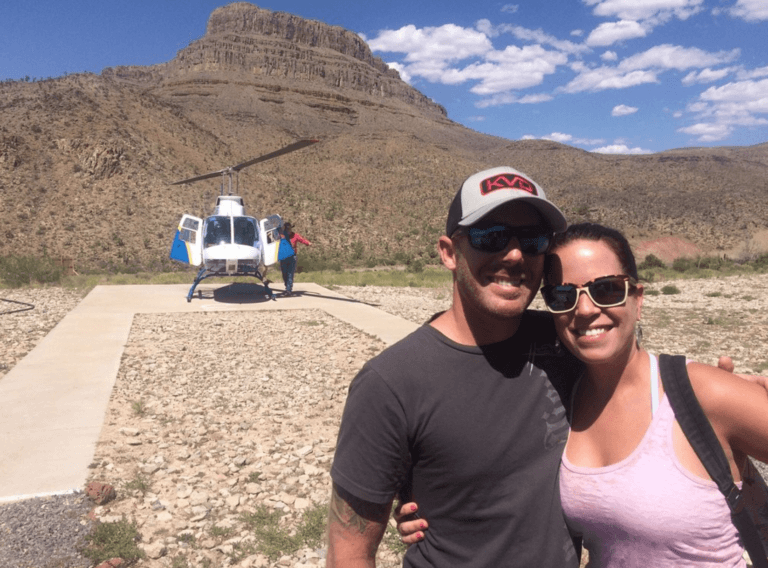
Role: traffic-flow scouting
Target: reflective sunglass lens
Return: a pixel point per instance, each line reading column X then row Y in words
column 496, row 238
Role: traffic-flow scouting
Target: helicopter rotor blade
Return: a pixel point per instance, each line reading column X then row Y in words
column 290, row 148
column 228, row 171
column 202, row 177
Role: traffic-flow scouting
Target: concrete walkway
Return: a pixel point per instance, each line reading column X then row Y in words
column 53, row 402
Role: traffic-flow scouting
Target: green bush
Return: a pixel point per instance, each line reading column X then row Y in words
column 683, row 264
column 651, row 261
column 274, row 541
column 113, row 540
column 761, row 261
column 711, row 262
column 670, row 289
column 18, row 271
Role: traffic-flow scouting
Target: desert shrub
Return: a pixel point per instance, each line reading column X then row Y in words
column 113, row 540
column 670, row 289
column 711, row 262
column 651, row 261
column 415, row 266
column 683, row 264
column 761, row 261
column 18, row 271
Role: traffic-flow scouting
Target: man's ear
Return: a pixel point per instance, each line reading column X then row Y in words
column 447, row 249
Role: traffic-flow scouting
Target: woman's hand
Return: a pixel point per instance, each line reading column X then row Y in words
column 409, row 525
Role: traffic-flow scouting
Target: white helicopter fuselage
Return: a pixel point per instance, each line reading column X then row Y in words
column 229, row 241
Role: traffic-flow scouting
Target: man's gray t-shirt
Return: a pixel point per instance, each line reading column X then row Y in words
column 474, row 436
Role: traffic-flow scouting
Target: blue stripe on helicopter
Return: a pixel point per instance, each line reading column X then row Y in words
column 179, row 249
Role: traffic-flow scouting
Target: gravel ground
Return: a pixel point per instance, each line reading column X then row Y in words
column 216, row 415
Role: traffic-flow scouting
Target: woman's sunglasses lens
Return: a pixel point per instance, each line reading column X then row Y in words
column 560, row 298
column 607, row 291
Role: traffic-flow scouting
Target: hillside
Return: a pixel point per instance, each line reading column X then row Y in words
column 86, row 160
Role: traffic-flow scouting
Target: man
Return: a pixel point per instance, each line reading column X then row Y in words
column 466, row 415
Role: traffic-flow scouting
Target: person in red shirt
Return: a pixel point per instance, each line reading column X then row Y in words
column 288, row 265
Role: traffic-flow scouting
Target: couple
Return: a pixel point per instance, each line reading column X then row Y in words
column 468, row 414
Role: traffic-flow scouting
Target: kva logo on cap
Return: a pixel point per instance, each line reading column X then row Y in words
column 507, row 181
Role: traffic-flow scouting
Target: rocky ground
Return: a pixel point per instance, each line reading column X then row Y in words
column 218, row 416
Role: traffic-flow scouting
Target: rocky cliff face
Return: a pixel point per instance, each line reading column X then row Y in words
column 280, row 49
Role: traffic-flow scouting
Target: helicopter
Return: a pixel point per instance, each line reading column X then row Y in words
column 229, row 242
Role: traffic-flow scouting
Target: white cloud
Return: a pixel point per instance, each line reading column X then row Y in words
column 510, row 8
column 476, row 118
column 436, row 54
column 706, row 75
column 743, row 75
column 620, row 149
column 643, row 68
column 535, row 99
column 609, row 56
column 708, row 132
column 750, row 10
column 602, row 78
column 528, row 35
column 623, row 110
column 565, row 139
column 577, row 33
column 510, row 98
column 668, row 56
column 613, row 32
column 445, row 43
column 657, row 10
column 721, row 109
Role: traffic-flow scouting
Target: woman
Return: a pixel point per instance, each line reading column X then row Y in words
column 288, row 264
column 630, row 482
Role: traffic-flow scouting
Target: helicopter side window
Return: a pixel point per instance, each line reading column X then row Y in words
column 188, row 236
column 217, row 231
column 245, row 231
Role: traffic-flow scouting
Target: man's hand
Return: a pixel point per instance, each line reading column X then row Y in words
column 355, row 529
column 726, row 364
column 409, row 525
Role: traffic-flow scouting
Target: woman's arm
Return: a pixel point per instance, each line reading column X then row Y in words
column 737, row 409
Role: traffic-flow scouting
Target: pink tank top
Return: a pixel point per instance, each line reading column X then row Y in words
column 648, row 510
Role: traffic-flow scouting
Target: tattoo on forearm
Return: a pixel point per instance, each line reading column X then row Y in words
column 353, row 520
column 343, row 513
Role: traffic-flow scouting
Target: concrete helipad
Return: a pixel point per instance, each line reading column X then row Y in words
column 53, row 402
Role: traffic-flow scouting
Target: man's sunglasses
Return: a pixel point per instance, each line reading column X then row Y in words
column 605, row 292
column 496, row 238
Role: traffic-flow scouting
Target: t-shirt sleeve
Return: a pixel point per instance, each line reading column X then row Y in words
column 371, row 460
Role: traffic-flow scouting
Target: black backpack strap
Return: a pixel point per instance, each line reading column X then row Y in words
column 697, row 428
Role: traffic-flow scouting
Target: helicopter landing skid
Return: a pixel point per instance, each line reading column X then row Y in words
column 203, row 274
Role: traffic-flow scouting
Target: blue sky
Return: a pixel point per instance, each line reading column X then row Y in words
column 611, row 76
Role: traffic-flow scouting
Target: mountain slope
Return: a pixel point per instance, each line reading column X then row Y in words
column 85, row 160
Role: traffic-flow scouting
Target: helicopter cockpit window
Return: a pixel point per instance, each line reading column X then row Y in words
column 245, row 231
column 217, row 231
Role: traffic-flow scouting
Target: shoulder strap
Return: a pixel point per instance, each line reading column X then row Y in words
column 696, row 427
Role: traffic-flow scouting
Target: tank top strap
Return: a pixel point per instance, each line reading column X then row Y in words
column 654, row 384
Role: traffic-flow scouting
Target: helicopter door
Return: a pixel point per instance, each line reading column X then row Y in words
column 188, row 243
column 270, row 237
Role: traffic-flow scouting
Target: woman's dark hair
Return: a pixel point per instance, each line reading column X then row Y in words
column 287, row 230
column 594, row 232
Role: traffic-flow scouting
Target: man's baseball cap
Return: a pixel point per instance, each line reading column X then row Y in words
column 484, row 191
